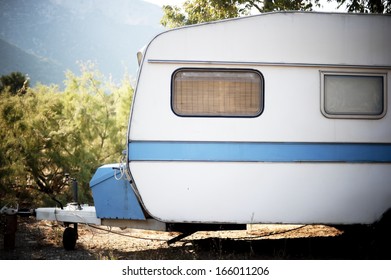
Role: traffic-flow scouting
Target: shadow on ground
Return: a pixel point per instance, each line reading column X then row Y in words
column 317, row 248
column 32, row 242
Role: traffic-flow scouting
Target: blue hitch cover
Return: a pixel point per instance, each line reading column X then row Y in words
column 114, row 199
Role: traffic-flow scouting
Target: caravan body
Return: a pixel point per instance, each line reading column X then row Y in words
column 276, row 118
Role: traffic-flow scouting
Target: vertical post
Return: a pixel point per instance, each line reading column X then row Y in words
column 76, row 201
column 11, row 222
column 75, row 191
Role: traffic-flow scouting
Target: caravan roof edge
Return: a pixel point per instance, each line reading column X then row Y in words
column 260, row 15
column 267, row 14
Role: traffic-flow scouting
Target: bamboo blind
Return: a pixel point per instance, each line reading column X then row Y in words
column 217, row 93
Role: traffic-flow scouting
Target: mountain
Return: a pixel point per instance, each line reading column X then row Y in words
column 56, row 34
column 13, row 59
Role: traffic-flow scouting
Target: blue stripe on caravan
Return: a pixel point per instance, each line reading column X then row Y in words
column 258, row 152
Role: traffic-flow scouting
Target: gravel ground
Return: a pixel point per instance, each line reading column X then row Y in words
column 42, row 240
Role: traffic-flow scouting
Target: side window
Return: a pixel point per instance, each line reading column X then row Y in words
column 217, row 93
column 353, row 95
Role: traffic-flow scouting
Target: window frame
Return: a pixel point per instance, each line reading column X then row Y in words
column 230, row 70
column 323, row 74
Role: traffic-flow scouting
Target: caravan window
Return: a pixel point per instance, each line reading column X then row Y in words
column 217, row 93
column 353, row 95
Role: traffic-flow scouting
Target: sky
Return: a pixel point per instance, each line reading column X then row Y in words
column 166, row 2
column 327, row 7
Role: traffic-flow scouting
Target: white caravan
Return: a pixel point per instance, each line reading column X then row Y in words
column 275, row 118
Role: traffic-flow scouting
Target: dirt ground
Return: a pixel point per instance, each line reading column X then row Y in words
column 42, row 240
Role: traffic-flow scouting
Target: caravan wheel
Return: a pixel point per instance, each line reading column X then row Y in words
column 69, row 238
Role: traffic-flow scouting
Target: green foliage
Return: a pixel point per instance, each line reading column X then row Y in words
column 15, row 83
column 173, row 17
column 366, row 6
column 198, row 11
column 47, row 133
column 288, row 5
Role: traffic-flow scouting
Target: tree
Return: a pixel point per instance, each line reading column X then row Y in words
column 366, row 6
column 286, row 5
column 9, row 117
column 100, row 110
column 15, row 83
column 198, row 11
column 34, row 143
column 47, row 133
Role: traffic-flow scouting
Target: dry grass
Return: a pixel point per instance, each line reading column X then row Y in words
column 43, row 240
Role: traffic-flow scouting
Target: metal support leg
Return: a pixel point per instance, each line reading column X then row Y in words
column 179, row 237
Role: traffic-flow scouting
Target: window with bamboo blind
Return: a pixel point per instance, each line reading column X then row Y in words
column 217, row 93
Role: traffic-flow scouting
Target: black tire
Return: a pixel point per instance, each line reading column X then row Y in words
column 69, row 238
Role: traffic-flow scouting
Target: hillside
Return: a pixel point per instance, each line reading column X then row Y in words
column 14, row 59
column 56, row 34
